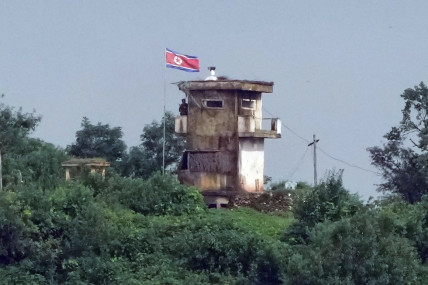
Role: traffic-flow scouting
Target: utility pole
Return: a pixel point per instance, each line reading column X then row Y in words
column 315, row 159
column 163, row 143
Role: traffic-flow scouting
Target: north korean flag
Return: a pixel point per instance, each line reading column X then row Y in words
column 181, row 61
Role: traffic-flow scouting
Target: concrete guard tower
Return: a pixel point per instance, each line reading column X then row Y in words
column 225, row 139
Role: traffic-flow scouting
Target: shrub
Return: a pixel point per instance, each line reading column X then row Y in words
column 358, row 250
column 220, row 246
column 14, row 240
column 159, row 195
column 39, row 163
column 410, row 221
column 329, row 201
column 20, row 275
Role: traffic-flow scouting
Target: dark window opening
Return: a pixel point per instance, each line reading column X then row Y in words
column 217, row 206
column 248, row 103
column 185, row 161
column 215, row 104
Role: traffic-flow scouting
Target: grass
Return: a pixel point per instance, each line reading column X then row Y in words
column 270, row 226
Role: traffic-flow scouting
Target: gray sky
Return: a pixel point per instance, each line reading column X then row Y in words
column 339, row 68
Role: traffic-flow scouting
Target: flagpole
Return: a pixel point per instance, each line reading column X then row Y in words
column 184, row 62
column 164, row 119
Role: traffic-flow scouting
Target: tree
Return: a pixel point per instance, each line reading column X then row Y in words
column 147, row 158
column 39, row 162
column 98, row 141
column 404, row 169
column 14, row 129
column 362, row 249
column 152, row 141
column 138, row 163
column 43, row 164
column 15, row 125
column 329, row 201
column 410, row 221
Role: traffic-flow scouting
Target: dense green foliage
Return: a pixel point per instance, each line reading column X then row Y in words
column 15, row 125
column 141, row 161
column 38, row 163
column 338, row 240
column 361, row 249
column 98, row 141
column 99, row 231
column 71, row 235
column 123, row 230
column 158, row 195
column 25, row 159
column 329, row 201
column 404, row 168
column 270, row 226
column 147, row 158
column 410, row 221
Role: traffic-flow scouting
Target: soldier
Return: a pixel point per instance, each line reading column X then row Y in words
column 183, row 108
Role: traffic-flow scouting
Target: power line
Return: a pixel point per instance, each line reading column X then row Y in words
column 323, row 151
column 288, row 128
column 294, row 133
column 349, row 164
column 299, row 162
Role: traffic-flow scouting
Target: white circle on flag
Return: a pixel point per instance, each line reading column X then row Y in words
column 178, row 60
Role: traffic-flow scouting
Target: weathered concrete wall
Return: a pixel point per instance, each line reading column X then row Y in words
column 225, row 149
column 211, row 128
column 256, row 111
column 251, row 150
column 204, row 181
column 246, row 124
column 211, row 162
column 181, row 124
column 251, row 164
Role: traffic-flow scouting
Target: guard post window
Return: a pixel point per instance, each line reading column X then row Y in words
column 248, row 104
column 213, row 103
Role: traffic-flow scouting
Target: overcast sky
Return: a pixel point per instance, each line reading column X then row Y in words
column 338, row 68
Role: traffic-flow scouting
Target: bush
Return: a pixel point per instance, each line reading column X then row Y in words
column 358, row 250
column 216, row 245
column 20, row 275
column 329, row 201
column 30, row 239
column 410, row 221
column 14, row 240
column 39, row 163
column 159, row 195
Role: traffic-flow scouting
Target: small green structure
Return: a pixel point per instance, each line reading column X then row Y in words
column 95, row 165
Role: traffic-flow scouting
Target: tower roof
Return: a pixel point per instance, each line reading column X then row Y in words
column 244, row 85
